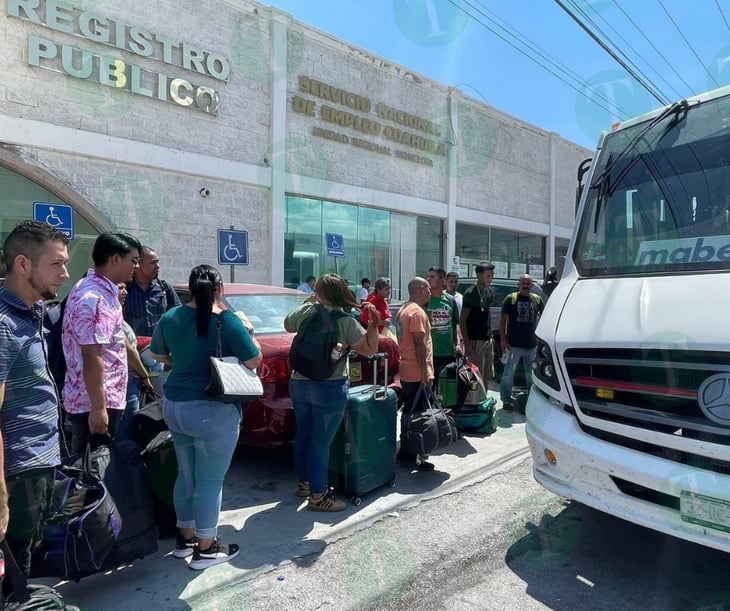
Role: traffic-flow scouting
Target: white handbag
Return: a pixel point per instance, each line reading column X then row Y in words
column 231, row 379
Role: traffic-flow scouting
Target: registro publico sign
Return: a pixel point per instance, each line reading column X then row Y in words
column 61, row 16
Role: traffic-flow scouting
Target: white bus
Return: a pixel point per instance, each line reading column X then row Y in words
column 630, row 408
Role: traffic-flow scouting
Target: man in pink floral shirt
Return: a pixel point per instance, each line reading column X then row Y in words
column 94, row 394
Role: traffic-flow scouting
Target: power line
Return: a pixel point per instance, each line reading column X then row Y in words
column 560, row 67
column 653, row 46
column 691, row 48
column 722, row 14
column 626, row 44
column 655, row 94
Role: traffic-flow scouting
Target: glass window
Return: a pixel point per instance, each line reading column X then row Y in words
column 17, row 196
column 512, row 253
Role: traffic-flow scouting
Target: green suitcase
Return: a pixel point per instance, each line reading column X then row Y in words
column 362, row 454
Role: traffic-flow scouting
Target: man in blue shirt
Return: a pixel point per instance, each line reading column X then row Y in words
column 148, row 297
column 36, row 255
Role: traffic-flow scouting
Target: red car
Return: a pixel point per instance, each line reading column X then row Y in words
column 269, row 420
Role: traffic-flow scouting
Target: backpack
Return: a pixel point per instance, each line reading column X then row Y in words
column 53, row 324
column 312, row 346
column 535, row 298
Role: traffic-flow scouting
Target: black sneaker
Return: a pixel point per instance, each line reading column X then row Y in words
column 407, row 460
column 506, row 407
column 424, row 465
column 184, row 547
column 217, row 553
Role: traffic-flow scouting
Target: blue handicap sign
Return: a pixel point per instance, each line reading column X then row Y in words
column 232, row 247
column 335, row 245
column 60, row 216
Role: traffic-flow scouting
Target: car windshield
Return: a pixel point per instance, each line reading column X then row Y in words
column 659, row 200
column 266, row 312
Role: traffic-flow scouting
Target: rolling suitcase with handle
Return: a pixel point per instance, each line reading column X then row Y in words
column 362, row 454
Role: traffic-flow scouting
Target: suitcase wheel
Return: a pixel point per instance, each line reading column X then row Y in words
column 357, row 500
column 391, row 484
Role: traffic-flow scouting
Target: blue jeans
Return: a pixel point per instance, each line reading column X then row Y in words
column 205, row 434
column 514, row 356
column 318, row 410
column 124, row 429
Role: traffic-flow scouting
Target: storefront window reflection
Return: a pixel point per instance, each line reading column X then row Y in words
column 376, row 243
column 513, row 253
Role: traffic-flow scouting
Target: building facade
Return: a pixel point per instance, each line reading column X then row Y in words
column 228, row 133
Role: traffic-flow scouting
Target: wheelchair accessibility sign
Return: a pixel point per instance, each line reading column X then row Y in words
column 60, row 216
column 232, row 247
column 335, row 245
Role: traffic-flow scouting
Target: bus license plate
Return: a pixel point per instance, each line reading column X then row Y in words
column 705, row 510
column 355, row 372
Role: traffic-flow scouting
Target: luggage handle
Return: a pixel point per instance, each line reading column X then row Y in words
column 379, row 394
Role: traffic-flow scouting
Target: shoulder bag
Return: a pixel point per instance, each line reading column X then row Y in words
column 428, row 426
column 231, row 380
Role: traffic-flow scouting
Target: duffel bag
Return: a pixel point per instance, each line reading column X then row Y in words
column 83, row 527
column 428, row 426
column 121, row 468
column 481, row 418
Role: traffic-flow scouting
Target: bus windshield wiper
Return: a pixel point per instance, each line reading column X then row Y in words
column 606, row 187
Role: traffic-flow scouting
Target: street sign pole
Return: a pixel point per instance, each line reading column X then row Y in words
column 232, row 266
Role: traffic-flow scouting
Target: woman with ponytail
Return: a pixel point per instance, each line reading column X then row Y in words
column 204, row 430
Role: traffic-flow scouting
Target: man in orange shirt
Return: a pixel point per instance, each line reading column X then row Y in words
column 416, row 357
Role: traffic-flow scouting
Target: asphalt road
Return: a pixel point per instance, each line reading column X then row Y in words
column 500, row 544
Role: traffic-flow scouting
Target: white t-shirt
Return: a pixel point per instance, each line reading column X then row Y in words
column 362, row 294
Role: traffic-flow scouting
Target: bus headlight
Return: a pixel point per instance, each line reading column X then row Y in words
column 543, row 366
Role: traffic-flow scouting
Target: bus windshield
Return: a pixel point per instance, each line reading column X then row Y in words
column 659, row 197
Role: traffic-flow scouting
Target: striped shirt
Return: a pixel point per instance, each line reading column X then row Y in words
column 30, row 409
column 144, row 308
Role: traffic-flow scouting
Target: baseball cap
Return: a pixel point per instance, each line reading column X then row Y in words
column 483, row 267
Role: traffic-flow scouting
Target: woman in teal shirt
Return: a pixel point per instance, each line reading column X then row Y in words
column 204, row 430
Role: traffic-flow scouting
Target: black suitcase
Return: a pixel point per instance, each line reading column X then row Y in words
column 362, row 454
column 162, row 467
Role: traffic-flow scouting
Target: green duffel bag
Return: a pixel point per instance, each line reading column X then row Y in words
column 480, row 418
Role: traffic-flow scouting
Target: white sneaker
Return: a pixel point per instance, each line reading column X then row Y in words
column 217, row 553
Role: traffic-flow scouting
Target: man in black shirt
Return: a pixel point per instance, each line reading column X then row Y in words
column 475, row 321
column 520, row 313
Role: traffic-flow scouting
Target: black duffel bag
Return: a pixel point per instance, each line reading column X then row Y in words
column 428, row 426
column 84, row 526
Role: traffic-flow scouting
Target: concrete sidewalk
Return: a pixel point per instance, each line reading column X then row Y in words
column 262, row 514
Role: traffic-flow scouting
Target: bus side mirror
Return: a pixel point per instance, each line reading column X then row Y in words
column 583, row 168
